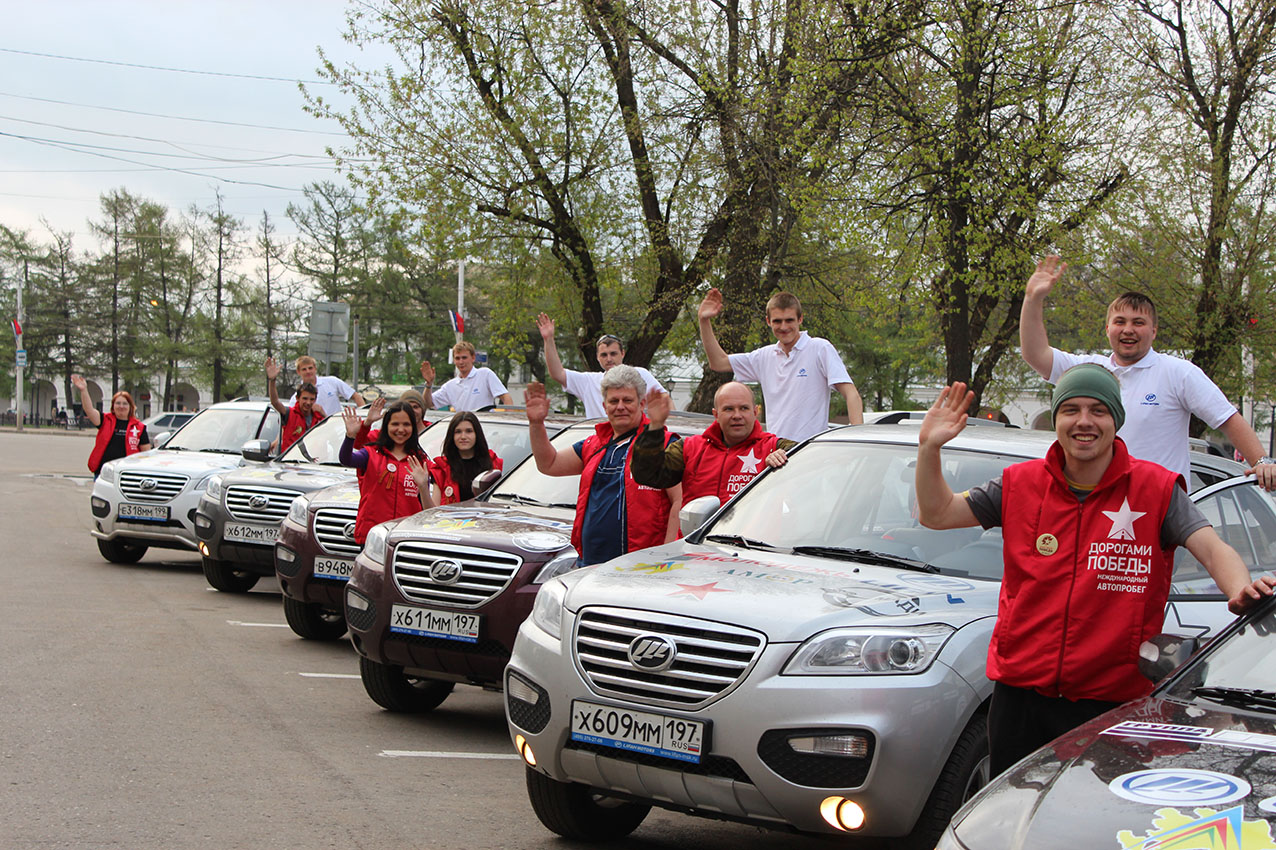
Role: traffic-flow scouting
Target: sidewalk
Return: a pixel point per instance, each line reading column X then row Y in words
column 49, row 430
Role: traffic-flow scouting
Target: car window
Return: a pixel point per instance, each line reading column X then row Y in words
column 222, row 430
column 528, row 483
column 321, row 444
column 1245, row 518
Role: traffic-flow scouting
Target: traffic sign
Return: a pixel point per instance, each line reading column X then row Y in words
column 22, row 358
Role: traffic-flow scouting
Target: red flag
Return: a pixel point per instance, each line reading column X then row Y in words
column 17, row 328
column 457, row 320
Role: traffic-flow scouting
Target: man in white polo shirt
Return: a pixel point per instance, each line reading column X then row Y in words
column 796, row 374
column 473, row 388
column 1160, row 392
column 331, row 388
column 610, row 351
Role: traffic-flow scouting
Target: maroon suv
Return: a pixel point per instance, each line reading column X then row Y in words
column 437, row 598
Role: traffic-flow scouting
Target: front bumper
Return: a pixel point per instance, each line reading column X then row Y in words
column 913, row 721
column 294, row 559
column 210, row 522
column 177, row 532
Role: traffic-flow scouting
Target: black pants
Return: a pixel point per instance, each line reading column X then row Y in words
column 1020, row 721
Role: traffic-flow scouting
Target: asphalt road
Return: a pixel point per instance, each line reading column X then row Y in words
column 142, row 709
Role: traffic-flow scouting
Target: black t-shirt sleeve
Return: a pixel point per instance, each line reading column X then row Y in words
column 985, row 503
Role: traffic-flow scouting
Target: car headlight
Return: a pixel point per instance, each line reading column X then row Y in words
column 298, row 511
column 374, row 547
column 547, row 613
column 871, row 650
column 561, row 563
column 107, row 473
column 213, row 485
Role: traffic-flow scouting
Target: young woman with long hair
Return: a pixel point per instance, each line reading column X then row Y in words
column 465, row 456
column 393, row 471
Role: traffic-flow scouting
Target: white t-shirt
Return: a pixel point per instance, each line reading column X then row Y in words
column 795, row 386
column 1160, row 393
column 587, row 386
column 331, row 391
column 478, row 389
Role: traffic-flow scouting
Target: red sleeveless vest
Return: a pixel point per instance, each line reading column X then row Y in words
column 646, row 508
column 387, row 491
column 132, row 439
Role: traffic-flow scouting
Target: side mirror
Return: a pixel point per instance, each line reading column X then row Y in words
column 256, row 450
column 696, row 513
column 484, row 480
column 1161, row 655
column 160, row 439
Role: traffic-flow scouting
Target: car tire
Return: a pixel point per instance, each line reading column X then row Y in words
column 965, row 772
column 394, row 690
column 223, row 576
column 121, row 551
column 579, row 813
column 314, row 622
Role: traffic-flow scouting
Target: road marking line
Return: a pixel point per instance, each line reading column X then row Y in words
column 331, row 675
column 257, row 625
column 427, row 754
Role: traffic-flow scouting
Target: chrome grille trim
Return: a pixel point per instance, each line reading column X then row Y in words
column 712, row 658
column 278, row 500
column 167, row 486
column 329, row 531
column 484, row 573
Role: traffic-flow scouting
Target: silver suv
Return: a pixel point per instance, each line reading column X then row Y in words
column 149, row 499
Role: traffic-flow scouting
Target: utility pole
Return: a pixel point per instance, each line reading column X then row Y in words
column 460, row 295
column 21, row 352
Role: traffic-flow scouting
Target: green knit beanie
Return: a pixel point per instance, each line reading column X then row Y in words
column 1089, row 380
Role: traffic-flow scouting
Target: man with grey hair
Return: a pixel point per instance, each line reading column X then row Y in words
column 614, row 513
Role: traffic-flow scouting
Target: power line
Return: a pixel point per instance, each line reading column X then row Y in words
column 162, row 68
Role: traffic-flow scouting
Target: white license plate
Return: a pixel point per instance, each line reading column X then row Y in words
column 338, row 568
column 638, row 731
column 143, row 513
column 453, row 625
column 241, row 533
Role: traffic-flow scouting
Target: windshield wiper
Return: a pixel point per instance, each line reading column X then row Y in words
column 528, row 500
column 1238, row 697
column 221, row 451
column 868, row 556
column 742, row 542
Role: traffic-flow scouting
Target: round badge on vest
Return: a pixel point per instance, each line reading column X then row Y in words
column 1047, row 544
column 449, row 491
column 391, row 467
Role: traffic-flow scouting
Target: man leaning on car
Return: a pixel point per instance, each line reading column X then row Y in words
column 1089, row 535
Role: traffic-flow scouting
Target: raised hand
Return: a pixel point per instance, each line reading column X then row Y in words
column 658, row 405
column 79, row 383
column 350, row 417
column 1048, row 272
column 427, row 373
column 947, row 416
column 537, row 402
column 545, row 325
column 374, row 410
column 711, row 306
column 420, row 474
column 272, row 369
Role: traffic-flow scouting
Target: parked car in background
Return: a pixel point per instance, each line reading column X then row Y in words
column 809, row 658
column 1191, row 766
column 169, row 420
column 148, row 499
column 315, row 552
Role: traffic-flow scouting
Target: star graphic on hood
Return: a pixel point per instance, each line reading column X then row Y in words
column 749, row 463
column 1123, row 521
column 699, row 591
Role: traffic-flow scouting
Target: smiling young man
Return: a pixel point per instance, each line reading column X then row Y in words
column 473, row 388
column 609, row 350
column 614, row 513
column 1160, row 392
column 796, row 374
column 1089, row 537
column 330, row 388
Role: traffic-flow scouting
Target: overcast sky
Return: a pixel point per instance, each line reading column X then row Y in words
column 70, row 128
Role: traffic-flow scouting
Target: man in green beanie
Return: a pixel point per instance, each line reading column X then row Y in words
column 1089, row 537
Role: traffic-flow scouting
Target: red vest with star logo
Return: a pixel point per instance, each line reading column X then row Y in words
column 296, row 426
column 710, row 468
column 387, row 491
column 132, row 439
column 1085, row 581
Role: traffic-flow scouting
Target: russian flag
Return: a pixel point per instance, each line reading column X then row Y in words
column 17, row 328
column 457, row 320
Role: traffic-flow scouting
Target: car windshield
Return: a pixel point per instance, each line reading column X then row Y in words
column 510, row 440
column 527, row 485
column 223, row 430
column 1239, row 662
column 859, row 496
column 320, row 444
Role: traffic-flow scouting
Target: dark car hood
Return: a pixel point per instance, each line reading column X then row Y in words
column 528, row 529
column 303, row 478
column 1214, row 784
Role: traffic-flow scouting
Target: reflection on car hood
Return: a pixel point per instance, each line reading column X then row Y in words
column 529, row 529
column 194, row 464
column 1150, row 773
column 344, row 494
column 789, row 597
column 291, row 476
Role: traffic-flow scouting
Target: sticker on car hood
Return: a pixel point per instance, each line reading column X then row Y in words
column 1194, row 734
column 540, row 541
column 1204, row 828
column 1179, row 787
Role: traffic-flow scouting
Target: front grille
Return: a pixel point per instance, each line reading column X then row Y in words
column 811, row 769
column 710, row 765
column 711, row 658
column 330, row 531
column 271, row 503
column 360, row 618
column 161, row 486
column 484, row 573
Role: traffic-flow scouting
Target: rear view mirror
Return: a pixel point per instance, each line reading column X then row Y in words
column 256, row 450
column 696, row 513
column 160, row 439
column 1161, row 655
column 484, row 480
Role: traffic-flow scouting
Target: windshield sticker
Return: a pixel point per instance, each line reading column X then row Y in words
column 1195, row 734
column 1179, row 787
column 540, row 541
column 652, row 569
column 1204, row 829
column 699, row 591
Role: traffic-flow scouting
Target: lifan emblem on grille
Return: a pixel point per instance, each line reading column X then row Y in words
column 652, row 653
column 258, row 502
column 148, row 484
column 445, row 571
column 348, row 531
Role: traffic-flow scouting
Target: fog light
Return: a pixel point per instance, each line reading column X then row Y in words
column 99, row 503
column 285, row 554
column 203, row 549
column 525, row 750
column 522, row 690
column 850, row 746
column 202, row 521
column 356, row 601
column 841, row 813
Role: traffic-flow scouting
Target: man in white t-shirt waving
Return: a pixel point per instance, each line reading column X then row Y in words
column 796, row 374
column 331, row 388
column 609, row 350
column 473, row 388
column 1160, row 392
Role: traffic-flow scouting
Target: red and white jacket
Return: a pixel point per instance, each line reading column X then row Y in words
column 1085, row 581
column 646, row 508
column 387, row 491
column 710, row 468
column 295, row 426
column 132, row 439
column 441, row 472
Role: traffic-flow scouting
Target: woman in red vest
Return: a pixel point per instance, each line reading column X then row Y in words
column 393, row 471
column 465, row 456
column 119, row 433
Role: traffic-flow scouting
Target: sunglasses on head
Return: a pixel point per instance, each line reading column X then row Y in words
column 607, row 339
